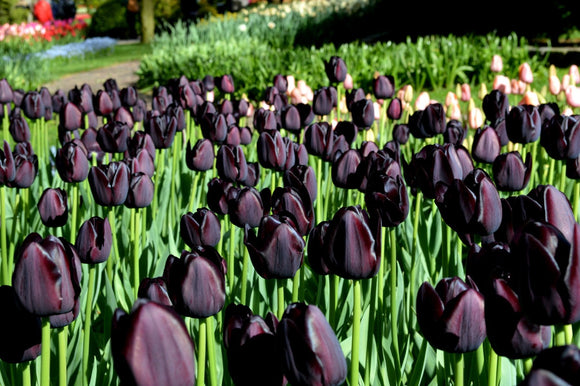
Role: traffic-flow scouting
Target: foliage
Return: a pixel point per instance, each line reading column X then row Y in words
column 109, row 20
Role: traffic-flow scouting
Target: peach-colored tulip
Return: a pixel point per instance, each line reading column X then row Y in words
column 555, row 85
column 518, row 87
column 530, row 98
column 573, row 96
column 566, row 81
column 475, row 118
column 348, row 82
column 422, row 100
column 405, row 93
column 454, row 111
column 465, row 92
column 209, row 96
column 567, row 111
column 526, row 75
column 503, row 84
column 296, row 96
column 574, row 74
column 496, row 63
column 450, row 99
column 291, row 83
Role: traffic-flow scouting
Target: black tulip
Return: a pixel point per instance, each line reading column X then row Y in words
column 154, row 289
column 384, row 87
column 247, row 206
column 109, row 183
column 510, row 172
column 200, row 228
column 53, row 207
column 486, row 145
column 94, row 240
column 495, row 106
column 560, row 137
column 523, row 124
column 335, row 69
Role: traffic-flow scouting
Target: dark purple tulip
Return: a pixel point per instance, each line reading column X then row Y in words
column 523, row 124
column 562, row 362
column 154, row 289
column 401, row 133
column 231, row 163
column 270, row 94
column 387, row 196
column 491, row 261
column 451, row 315
column 311, row 353
column 335, row 69
column 139, row 111
column 200, row 228
column 225, row 84
column 32, row 105
column 71, row 117
column 454, row 133
column 271, row 150
column 141, row 191
column 550, row 281
column 43, row 277
column 556, row 207
column 319, row 139
column 345, row 170
column 122, row 114
column 20, row 331
column 19, row 128
column 376, row 162
column 542, row 377
column 302, row 175
column 280, row 82
column 291, row 119
column 395, row 109
column 428, row 122
column 252, row 347
column 175, row 112
column 363, row 113
column 89, row 139
column 247, row 206
column 354, row 96
column 159, row 128
column 141, row 163
column 64, row 319
column 82, row 97
column 6, row 93
column 471, row 205
column 214, row 127
column 495, row 106
column 196, row 282
column 352, row 245
column 306, row 114
column 384, row 87
column 253, row 174
column 573, row 168
column 548, row 110
column 103, row 103
column 47, row 102
column 94, row 240
column 53, row 208
column 111, row 84
column 510, row 172
column 323, row 102
column 265, row 119
column 560, row 137
column 317, row 250
column 217, row 195
column 18, row 95
column 486, row 145
column 516, row 212
column 112, row 137
column 509, row 330
column 277, row 250
column 201, row 156
column 348, row 129
column 72, row 162
column 25, row 166
column 151, row 345
column 433, row 164
column 128, row 96
column 140, row 141
column 109, row 183
column 500, row 128
column 294, row 203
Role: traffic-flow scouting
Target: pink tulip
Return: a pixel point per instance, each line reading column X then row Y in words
column 574, row 74
column 450, row 99
column 566, row 81
column 496, row 63
column 555, row 85
column 573, row 96
column 475, row 118
column 348, row 82
column 422, row 101
column 465, row 92
column 518, row 86
column 530, row 98
column 377, row 109
column 454, row 111
column 526, row 75
column 502, row 83
column 567, row 111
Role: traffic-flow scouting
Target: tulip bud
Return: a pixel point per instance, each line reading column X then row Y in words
column 384, row 87
column 109, row 183
column 311, row 353
column 200, row 228
column 141, row 191
column 323, row 102
column 395, row 109
column 52, row 207
column 152, row 345
column 25, row 164
column 428, row 122
column 555, row 365
column 271, row 150
column 248, row 206
column 525, row 72
column 510, row 173
column 335, row 70
column 113, row 136
column 94, row 240
column 33, row 105
column 486, row 145
column 495, row 106
column 496, row 63
column 231, row 163
column 295, row 203
column 6, row 93
column 225, row 84
column 154, row 289
column 523, row 124
column 363, row 113
column 345, row 170
column 18, row 127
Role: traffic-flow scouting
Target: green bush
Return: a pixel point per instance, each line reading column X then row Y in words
column 110, row 20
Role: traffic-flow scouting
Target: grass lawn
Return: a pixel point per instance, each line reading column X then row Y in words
column 120, row 53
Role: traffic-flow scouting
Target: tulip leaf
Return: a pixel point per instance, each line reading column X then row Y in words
column 418, row 367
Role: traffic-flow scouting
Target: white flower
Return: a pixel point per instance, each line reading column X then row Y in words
column 243, row 27
column 271, row 25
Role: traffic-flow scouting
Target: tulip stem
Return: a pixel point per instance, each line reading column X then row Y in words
column 88, row 320
column 576, row 201
column 492, row 376
column 418, row 204
column 211, row 351
column 192, row 193
column 136, row 227
column 74, row 211
column 568, row 333
column 394, row 327
column 354, row 363
column 26, row 378
column 232, row 256
column 245, row 264
column 280, row 298
column 115, row 248
column 45, row 352
column 201, row 352
column 333, row 299
column 62, row 357
column 296, row 285
column 3, row 244
column 458, row 371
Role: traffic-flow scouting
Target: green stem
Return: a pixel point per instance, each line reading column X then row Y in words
column 568, row 333
column 296, row 285
column 479, row 361
column 354, row 363
column 281, row 305
column 136, row 238
column 114, row 259
column 6, row 277
column 333, row 299
column 393, row 277
column 371, row 327
column 231, row 258
column 201, row 352
column 211, row 352
column 74, row 211
column 45, row 353
column 194, row 188
column 88, row 321
column 26, row 378
column 245, row 267
column 418, row 203
column 458, row 371
column 560, row 338
column 492, row 376
column 576, row 201
column 62, row 357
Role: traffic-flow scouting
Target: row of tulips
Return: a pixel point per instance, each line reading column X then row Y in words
column 43, row 31
column 129, row 174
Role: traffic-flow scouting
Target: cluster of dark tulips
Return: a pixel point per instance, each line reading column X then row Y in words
column 119, row 175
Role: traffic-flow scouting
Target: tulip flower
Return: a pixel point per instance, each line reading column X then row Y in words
column 72, row 161
column 486, row 145
column 109, row 183
column 277, row 249
column 345, row 170
column 141, row 191
column 128, row 96
column 428, row 122
column 201, row 156
column 247, row 206
column 510, row 172
column 125, row 116
column 523, row 124
column 18, row 127
column 231, row 164
column 6, row 92
column 252, row 347
column 495, row 106
column 112, row 137
column 142, row 162
column 280, row 82
column 225, row 84
column 200, row 228
column 363, row 113
column 271, row 150
column 451, row 315
column 52, row 207
column 311, row 353
column 151, row 345
column 560, row 137
column 335, row 70
column 20, row 331
column 556, row 209
column 496, row 63
column 25, row 166
column 33, row 105
column 82, row 97
column 384, row 87
column 324, row 100
column 196, row 282
column 558, row 365
column 525, row 72
column 43, row 277
column 295, row 203
column 154, row 289
column 94, row 240
column 217, row 195
column 302, row 176
column 388, row 196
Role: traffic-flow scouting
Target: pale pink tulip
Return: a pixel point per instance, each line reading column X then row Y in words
column 574, row 74
column 296, row 96
column 573, row 96
column 496, row 64
column 475, row 118
column 377, row 109
column 454, row 111
column 348, row 82
column 555, row 85
column 503, row 84
column 566, row 81
column 567, row 111
column 423, row 100
column 291, row 84
column 450, row 99
column 465, row 92
column 526, row 75
column 518, row 87
column 530, row 98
